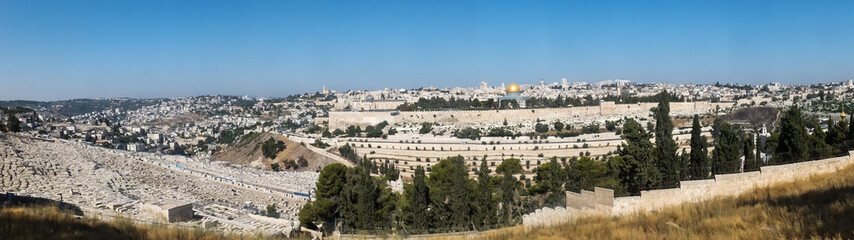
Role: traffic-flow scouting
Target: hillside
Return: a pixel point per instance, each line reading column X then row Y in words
column 819, row 207
column 753, row 117
column 50, row 222
column 248, row 151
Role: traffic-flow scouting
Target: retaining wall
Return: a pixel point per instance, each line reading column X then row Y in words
column 340, row 120
column 602, row 201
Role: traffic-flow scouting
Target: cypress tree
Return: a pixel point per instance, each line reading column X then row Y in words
column 420, row 200
column 851, row 129
column 699, row 164
column 750, row 161
column 793, row 143
column 509, row 188
column 667, row 162
column 727, row 150
column 684, row 161
column 485, row 207
column 459, row 198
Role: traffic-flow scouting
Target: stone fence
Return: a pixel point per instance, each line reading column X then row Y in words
column 601, row 201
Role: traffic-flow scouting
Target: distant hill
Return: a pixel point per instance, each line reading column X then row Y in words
column 248, row 151
column 68, row 108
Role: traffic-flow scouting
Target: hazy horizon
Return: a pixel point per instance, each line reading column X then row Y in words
column 57, row 50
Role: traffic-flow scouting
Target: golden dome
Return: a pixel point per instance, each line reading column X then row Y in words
column 513, row 88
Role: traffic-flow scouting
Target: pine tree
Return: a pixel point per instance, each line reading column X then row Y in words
column 550, row 178
column 637, row 171
column 13, row 124
column 793, row 142
column 366, row 205
column 727, row 153
column 698, row 167
column 666, row 159
column 449, row 193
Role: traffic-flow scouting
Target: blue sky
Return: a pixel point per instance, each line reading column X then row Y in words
column 78, row 49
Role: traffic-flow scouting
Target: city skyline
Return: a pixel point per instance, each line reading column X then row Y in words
column 67, row 50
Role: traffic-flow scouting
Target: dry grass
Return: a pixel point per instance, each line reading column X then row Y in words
column 49, row 222
column 821, row 207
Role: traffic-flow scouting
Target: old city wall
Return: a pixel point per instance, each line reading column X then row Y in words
column 602, row 201
column 339, row 120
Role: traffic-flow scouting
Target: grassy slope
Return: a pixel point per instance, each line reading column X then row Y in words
column 820, row 207
column 48, row 222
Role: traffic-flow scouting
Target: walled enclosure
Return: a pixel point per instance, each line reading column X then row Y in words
column 602, row 201
column 340, row 120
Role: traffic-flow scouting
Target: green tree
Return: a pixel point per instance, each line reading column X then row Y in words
column 698, row 167
column 426, row 128
column 349, row 153
column 330, row 184
column 818, row 147
column 550, row 179
column 509, row 196
column 541, row 128
column 13, row 124
column 271, row 211
column 751, row 163
column 727, row 153
column 837, row 133
column 793, row 142
column 558, row 126
column 665, row 147
column 636, row 170
column 449, row 193
column 271, row 148
column 484, row 207
column 360, row 200
column 851, row 130
column 418, row 197
column 510, row 165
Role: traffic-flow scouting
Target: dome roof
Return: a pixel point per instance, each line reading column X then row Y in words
column 513, row 88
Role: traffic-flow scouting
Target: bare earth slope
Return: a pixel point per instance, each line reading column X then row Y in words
column 247, row 151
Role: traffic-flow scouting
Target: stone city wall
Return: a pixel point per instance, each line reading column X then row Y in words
column 340, row 120
column 602, row 201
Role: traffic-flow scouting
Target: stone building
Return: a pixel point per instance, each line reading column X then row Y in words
column 170, row 211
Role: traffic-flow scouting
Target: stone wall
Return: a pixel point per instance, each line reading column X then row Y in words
column 583, row 114
column 602, row 201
